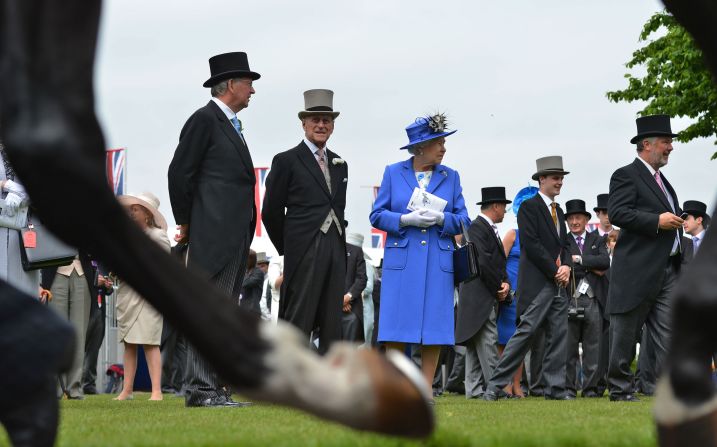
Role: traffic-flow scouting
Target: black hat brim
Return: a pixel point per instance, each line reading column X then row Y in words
column 217, row 78
column 638, row 137
column 486, row 202
column 599, row 208
column 585, row 213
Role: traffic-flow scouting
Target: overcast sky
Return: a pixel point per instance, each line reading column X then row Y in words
column 519, row 80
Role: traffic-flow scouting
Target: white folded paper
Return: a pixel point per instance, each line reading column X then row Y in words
column 423, row 199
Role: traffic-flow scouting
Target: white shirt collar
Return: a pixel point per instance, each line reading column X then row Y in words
column 224, row 108
column 314, row 148
column 488, row 219
column 546, row 199
column 602, row 232
column 701, row 235
column 652, row 170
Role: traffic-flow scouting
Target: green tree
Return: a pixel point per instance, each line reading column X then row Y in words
column 677, row 81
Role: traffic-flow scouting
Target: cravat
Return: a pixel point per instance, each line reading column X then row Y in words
column 579, row 240
column 237, row 126
column 553, row 213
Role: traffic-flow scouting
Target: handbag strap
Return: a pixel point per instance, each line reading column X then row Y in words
column 464, row 233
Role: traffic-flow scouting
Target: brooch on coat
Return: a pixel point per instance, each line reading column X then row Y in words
column 444, row 173
column 337, row 161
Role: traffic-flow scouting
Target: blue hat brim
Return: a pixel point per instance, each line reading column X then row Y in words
column 428, row 138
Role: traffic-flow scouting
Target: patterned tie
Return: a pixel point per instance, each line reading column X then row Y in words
column 554, row 214
column 322, row 165
column 495, row 230
column 579, row 240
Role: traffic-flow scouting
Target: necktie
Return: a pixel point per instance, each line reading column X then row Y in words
column 495, row 230
column 579, row 240
column 695, row 244
column 322, row 163
column 237, row 124
column 553, row 213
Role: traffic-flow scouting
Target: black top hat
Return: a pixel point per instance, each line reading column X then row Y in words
column 602, row 202
column 492, row 194
column 653, row 126
column 696, row 209
column 227, row 66
column 576, row 206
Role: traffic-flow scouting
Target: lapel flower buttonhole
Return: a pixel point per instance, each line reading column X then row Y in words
column 337, row 161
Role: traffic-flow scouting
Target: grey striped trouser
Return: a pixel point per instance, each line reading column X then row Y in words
column 200, row 379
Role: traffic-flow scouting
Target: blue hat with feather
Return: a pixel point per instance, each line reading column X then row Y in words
column 523, row 195
column 427, row 128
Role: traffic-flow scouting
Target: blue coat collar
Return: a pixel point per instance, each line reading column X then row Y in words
column 440, row 173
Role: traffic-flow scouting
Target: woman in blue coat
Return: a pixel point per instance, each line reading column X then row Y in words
column 417, row 284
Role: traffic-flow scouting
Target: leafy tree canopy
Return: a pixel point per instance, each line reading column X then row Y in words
column 677, row 81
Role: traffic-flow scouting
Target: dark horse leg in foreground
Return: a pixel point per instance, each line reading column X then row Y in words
column 53, row 139
column 686, row 406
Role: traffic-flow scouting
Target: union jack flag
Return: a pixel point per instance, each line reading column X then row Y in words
column 378, row 237
column 115, row 162
column 259, row 189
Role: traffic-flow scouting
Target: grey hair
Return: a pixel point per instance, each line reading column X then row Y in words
column 416, row 148
column 221, row 88
column 641, row 144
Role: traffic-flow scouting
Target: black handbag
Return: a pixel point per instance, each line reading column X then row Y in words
column 465, row 260
column 40, row 249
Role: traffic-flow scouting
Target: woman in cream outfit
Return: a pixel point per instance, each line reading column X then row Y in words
column 139, row 323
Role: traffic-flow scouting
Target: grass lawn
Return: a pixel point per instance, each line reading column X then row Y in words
column 531, row 422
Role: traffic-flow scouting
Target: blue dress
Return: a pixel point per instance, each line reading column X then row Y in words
column 417, row 282
column 506, row 315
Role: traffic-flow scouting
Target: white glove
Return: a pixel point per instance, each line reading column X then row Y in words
column 15, row 188
column 417, row 218
column 12, row 203
column 434, row 214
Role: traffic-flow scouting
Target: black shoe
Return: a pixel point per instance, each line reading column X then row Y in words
column 229, row 402
column 565, row 397
column 89, row 390
column 591, row 394
column 494, row 395
column 623, row 398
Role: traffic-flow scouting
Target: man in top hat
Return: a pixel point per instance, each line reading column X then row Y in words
column 601, row 290
column 352, row 327
column 211, row 187
column 476, row 319
column 303, row 213
column 647, row 257
column 542, row 277
column 589, row 253
column 604, row 227
column 696, row 222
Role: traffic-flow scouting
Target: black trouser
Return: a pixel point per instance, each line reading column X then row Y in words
column 587, row 331
column 314, row 296
column 655, row 313
column 93, row 343
column 174, row 359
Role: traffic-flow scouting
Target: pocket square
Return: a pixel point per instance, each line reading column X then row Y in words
column 345, row 180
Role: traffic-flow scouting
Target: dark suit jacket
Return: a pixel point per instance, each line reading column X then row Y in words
column 356, row 279
column 594, row 257
column 642, row 250
column 297, row 201
column 478, row 297
column 688, row 252
column 211, row 187
column 540, row 247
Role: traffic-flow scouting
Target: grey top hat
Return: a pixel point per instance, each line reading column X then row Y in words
column 552, row 165
column 261, row 258
column 318, row 101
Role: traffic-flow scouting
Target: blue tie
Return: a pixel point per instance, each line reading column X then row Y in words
column 237, row 124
